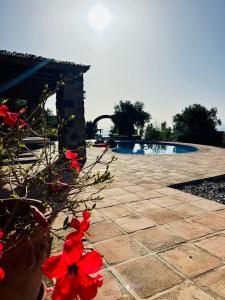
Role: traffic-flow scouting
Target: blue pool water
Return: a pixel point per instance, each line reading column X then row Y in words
column 152, row 148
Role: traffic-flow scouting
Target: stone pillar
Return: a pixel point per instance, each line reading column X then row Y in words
column 70, row 101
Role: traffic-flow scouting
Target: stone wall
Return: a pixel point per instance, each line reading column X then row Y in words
column 70, row 101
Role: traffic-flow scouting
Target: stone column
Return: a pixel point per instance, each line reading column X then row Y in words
column 70, row 101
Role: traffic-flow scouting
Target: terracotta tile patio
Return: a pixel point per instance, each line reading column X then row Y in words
column 157, row 242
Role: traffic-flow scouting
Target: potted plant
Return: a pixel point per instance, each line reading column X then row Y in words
column 31, row 197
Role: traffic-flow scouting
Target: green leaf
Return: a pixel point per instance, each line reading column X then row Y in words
column 22, row 145
column 66, row 223
column 71, row 117
column 13, row 195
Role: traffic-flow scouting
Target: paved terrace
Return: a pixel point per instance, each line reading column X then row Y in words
column 157, row 242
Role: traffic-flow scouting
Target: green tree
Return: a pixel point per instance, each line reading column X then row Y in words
column 51, row 119
column 129, row 117
column 152, row 132
column 165, row 132
column 195, row 120
column 158, row 132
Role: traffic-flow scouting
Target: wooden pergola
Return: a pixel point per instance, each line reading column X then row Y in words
column 23, row 76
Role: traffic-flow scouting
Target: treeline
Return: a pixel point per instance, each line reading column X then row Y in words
column 195, row 124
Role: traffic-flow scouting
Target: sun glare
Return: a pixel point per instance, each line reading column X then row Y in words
column 99, row 17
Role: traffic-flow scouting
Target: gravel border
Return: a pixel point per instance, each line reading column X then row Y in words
column 211, row 188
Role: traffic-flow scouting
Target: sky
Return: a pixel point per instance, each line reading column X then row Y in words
column 166, row 53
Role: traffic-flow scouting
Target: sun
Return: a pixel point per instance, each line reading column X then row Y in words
column 99, row 17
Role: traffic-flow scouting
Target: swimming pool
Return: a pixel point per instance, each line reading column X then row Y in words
column 152, row 148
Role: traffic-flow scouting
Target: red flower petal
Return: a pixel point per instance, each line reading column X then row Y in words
column 72, row 251
column 90, row 263
column 84, row 225
column 2, row 274
column 99, row 280
column 48, row 290
column 65, row 288
column 75, row 223
column 71, row 155
column 1, row 233
column 1, row 248
column 69, row 287
column 75, row 165
column 75, row 236
column 89, row 290
column 3, row 110
column 10, row 119
column 22, row 123
column 86, row 214
column 55, row 266
column 41, row 219
column 81, row 225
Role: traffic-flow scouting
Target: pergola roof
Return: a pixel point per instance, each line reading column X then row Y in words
column 23, row 76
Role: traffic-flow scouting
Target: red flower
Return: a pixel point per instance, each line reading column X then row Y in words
column 58, row 186
column 1, row 248
column 49, row 290
column 3, row 110
column 2, row 274
column 72, row 270
column 40, row 218
column 22, row 123
column 75, row 165
column 81, row 225
column 10, row 119
column 1, row 245
column 74, row 162
column 71, row 155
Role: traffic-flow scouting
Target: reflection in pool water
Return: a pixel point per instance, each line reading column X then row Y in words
column 152, row 149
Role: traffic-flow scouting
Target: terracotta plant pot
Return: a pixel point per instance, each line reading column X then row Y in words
column 22, row 258
column 42, row 292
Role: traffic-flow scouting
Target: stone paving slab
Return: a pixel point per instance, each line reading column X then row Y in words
column 133, row 223
column 162, row 216
column 112, row 289
column 188, row 230
column 148, row 275
column 103, row 231
column 214, row 245
column 213, row 221
column 157, row 238
column 213, row 283
column 187, row 292
column 116, row 211
column 165, row 201
column 208, row 205
column 120, row 249
column 142, row 205
column 158, row 242
column 185, row 210
column 190, row 260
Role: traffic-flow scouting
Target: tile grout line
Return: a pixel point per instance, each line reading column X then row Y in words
column 124, row 283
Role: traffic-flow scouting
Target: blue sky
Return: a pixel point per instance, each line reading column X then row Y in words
column 166, row 53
